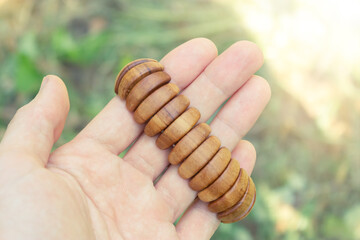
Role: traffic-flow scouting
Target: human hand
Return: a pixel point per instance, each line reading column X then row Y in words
column 83, row 190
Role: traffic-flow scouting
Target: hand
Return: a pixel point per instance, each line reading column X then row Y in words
column 83, row 190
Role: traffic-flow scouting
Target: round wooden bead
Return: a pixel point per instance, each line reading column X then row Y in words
column 178, row 128
column 145, row 87
column 234, row 195
column 189, row 143
column 212, row 170
column 154, row 102
column 131, row 76
column 199, row 158
column 128, row 66
column 242, row 208
column 166, row 115
column 222, row 184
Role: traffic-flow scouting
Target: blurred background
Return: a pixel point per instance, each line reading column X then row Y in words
column 308, row 139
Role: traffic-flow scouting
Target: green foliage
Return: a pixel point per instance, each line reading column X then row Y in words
column 77, row 51
column 27, row 75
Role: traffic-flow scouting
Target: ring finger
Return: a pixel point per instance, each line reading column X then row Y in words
column 244, row 107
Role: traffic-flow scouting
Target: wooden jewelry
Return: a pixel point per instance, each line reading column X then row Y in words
column 222, row 184
column 242, row 208
column 218, row 179
column 166, row 115
column 154, row 102
column 178, row 128
column 234, row 195
column 199, row 157
column 133, row 73
column 211, row 171
column 189, row 143
column 144, row 88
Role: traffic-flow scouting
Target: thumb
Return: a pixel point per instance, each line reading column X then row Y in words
column 36, row 126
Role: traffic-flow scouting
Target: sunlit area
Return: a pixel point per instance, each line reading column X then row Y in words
column 308, row 139
column 312, row 49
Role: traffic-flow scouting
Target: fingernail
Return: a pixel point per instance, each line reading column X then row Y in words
column 44, row 82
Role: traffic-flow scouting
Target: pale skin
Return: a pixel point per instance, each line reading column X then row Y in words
column 83, row 190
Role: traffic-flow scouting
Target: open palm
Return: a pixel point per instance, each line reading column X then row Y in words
column 83, row 190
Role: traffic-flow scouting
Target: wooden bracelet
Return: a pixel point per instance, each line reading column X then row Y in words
column 242, row 208
column 133, row 73
column 199, row 157
column 165, row 116
column 154, row 102
column 145, row 87
column 189, row 143
column 217, row 178
column 234, row 195
column 178, row 128
column 222, row 184
column 212, row 170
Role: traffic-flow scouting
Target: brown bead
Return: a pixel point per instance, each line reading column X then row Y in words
column 178, row 128
column 234, row 195
column 222, row 184
column 128, row 66
column 189, row 143
column 128, row 79
column 212, row 170
column 199, row 158
column 242, row 208
column 154, row 102
column 166, row 115
column 144, row 88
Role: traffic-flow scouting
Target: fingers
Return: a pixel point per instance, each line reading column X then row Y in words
column 188, row 60
column 198, row 222
column 237, row 117
column 37, row 125
column 242, row 110
column 114, row 127
column 221, row 78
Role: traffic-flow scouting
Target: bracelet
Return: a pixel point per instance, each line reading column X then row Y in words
column 219, row 180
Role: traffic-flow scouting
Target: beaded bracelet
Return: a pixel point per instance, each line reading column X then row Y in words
column 219, row 180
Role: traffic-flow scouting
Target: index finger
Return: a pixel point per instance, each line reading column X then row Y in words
column 183, row 64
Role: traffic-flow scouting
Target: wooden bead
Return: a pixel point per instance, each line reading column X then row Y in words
column 166, row 115
column 199, row 158
column 212, row 170
column 128, row 66
column 154, row 102
column 189, row 143
column 131, row 76
column 178, row 128
column 242, row 208
column 234, row 195
column 144, row 88
column 222, row 184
